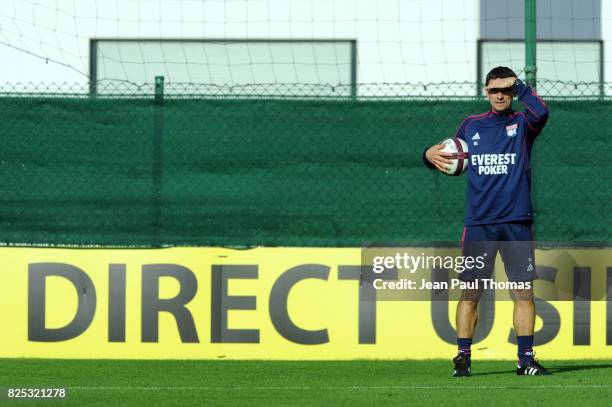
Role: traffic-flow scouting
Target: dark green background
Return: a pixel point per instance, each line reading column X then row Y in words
column 272, row 172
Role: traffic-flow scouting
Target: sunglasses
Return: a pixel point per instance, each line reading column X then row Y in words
column 505, row 91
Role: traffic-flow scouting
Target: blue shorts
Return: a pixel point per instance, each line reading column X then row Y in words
column 515, row 242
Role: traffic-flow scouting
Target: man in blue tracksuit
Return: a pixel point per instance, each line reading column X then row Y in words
column 499, row 208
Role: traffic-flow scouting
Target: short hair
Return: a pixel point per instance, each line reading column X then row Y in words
column 499, row 72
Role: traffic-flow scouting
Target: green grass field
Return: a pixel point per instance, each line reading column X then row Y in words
column 189, row 383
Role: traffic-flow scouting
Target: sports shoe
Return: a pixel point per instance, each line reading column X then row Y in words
column 462, row 366
column 532, row 368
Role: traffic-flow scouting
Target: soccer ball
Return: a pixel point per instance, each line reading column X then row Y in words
column 459, row 150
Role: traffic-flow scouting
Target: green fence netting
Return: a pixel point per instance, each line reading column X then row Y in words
column 302, row 170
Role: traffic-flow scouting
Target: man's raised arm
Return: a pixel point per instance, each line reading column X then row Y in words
column 536, row 111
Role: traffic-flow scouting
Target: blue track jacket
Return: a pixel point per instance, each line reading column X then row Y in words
column 499, row 169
